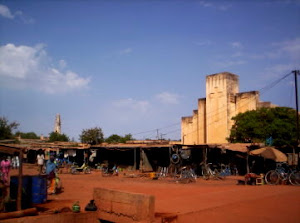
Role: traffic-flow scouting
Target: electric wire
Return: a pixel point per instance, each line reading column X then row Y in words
column 263, row 90
column 221, row 109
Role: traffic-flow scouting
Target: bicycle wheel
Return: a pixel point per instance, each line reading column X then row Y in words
column 272, row 177
column 193, row 175
column 294, row 178
column 87, row 170
column 205, row 174
column 217, row 175
column 74, row 171
column 173, row 170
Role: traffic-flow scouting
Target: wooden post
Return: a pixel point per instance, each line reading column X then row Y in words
column 247, row 160
column 20, row 181
column 134, row 157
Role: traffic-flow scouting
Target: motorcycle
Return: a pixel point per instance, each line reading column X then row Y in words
column 75, row 169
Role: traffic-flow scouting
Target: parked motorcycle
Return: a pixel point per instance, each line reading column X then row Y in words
column 75, row 169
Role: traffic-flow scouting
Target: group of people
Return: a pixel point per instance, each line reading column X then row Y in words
column 7, row 163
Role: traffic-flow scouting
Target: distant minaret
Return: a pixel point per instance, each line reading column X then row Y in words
column 57, row 125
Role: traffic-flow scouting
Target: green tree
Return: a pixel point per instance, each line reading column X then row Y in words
column 92, row 136
column 27, row 135
column 126, row 138
column 6, row 128
column 118, row 139
column 55, row 136
column 113, row 139
column 258, row 125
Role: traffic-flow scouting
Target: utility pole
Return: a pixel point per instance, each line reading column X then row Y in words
column 296, row 72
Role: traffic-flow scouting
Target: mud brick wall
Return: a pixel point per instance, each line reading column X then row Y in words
column 118, row 206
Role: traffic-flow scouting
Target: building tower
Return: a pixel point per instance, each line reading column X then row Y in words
column 221, row 89
column 211, row 122
column 57, row 124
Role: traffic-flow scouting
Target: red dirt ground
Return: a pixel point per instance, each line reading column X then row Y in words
column 203, row 201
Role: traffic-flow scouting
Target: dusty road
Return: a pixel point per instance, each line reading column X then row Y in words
column 203, row 201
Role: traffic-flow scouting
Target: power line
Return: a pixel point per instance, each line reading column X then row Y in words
column 221, row 109
column 264, row 89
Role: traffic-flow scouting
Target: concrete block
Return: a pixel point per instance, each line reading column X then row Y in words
column 125, row 207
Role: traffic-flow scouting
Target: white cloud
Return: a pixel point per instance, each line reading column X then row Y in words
column 237, row 54
column 236, row 45
column 204, row 43
column 125, row 51
column 6, row 13
column 205, row 4
column 285, row 49
column 132, row 104
column 290, row 47
column 221, row 7
column 230, row 63
column 278, row 70
column 168, row 98
column 62, row 64
column 30, row 67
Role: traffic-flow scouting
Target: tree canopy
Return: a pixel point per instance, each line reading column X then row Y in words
column 261, row 124
column 27, row 135
column 118, row 139
column 92, row 136
column 6, row 128
column 55, row 136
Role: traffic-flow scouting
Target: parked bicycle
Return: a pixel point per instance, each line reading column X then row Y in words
column 283, row 173
column 110, row 171
column 186, row 175
column 208, row 173
column 225, row 170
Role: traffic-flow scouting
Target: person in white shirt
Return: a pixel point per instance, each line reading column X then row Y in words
column 40, row 161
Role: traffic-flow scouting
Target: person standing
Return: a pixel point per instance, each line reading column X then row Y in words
column 50, row 171
column 25, row 152
column 40, row 161
column 5, row 168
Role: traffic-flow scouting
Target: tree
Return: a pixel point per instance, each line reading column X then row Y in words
column 27, row 135
column 6, row 128
column 119, row 139
column 113, row 139
column 258, row 125
column 126, row 138
column 55, row 136
column 92, row 136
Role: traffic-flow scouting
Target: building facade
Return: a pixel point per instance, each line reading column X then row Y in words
column 212, row 121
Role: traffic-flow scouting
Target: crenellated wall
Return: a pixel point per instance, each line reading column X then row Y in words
column 212, row 121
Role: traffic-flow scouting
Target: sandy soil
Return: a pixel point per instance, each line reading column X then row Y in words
column 203, row 201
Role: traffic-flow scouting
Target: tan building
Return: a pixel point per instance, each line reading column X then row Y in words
column 211, row 122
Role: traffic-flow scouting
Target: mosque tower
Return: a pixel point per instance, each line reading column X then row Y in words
column 57, row 124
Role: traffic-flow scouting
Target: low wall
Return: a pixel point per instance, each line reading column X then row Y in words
column 124, row 207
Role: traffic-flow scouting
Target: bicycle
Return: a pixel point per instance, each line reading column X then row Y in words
column 186, row 175
column 208, row 173
column 281, row 174
column 225, row 170
column 110, row 171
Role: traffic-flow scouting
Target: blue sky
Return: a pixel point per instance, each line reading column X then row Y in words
column 137, row 66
